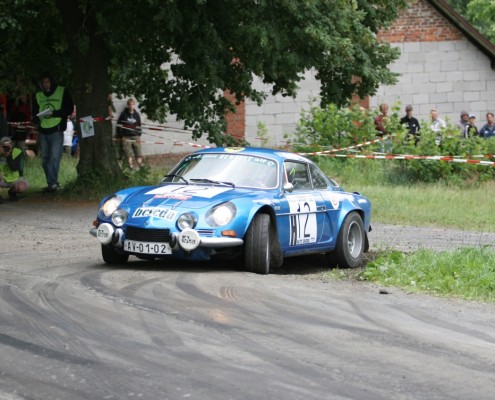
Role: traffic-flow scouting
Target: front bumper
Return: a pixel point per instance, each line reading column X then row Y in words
column 187, row 240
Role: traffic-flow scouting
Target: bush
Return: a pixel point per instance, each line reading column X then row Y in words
column 335, row 128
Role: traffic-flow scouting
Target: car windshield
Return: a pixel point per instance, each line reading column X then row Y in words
column 237, row 169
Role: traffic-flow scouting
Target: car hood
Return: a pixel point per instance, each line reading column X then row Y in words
column 187, row 196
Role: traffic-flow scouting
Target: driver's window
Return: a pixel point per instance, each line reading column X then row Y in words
column 297, row 174
column 319, row 180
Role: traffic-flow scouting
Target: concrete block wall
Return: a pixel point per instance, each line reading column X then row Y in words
column 278, row 113
column 439, row 68
column 454, row 76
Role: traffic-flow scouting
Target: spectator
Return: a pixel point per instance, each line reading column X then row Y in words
column 412, row 125
column 11, row 169
column 488, row 129
column 437, row 125
column 52, row 105
column 471, row 129
column 381, row 120
column 129, row 130
column 463, row 122
column 111, row 107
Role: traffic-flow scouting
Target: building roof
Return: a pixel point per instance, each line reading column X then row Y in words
column 466, row 28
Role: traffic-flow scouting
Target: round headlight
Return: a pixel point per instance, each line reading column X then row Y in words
column 186, row 220
column 221, row 215
column 119, row 217
column 110, row 206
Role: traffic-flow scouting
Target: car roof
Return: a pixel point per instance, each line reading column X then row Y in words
column 279, row 155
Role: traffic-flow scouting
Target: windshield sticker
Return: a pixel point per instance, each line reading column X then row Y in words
column 173, row 196
column 206, row 192
column 155, row 212
column 303, row 226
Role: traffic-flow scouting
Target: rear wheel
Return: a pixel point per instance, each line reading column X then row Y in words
column 257, row 244
column 112, row 256
column 350, row 243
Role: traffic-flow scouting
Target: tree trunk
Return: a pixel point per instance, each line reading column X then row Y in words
column 90, row 61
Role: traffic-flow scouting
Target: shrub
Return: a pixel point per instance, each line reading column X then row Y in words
column 335, row 128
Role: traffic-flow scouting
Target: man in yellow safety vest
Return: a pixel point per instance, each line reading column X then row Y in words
column 52, row 105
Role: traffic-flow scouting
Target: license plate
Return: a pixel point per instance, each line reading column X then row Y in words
column 133, row 246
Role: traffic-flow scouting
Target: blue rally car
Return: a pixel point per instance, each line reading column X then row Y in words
column 258, row 204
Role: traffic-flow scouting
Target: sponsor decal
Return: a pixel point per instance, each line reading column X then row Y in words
column 155, row 212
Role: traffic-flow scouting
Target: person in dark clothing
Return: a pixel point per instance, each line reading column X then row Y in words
column 51, row 106
column 412, row 125
column 129, row 132
column 471, row 129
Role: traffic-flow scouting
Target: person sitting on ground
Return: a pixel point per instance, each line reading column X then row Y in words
column 11, row 164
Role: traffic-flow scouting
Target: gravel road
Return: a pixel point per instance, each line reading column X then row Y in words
column 74, row 328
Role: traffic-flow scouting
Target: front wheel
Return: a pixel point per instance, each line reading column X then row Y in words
column 112, row 256
column 257, row 245
column 350, row 243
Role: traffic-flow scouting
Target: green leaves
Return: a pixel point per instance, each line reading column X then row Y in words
column 207, row 46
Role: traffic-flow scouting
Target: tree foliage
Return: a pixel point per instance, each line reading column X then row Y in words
column 482, row 14
column 179, row 56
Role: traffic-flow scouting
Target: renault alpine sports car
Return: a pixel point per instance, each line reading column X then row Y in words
column 256, row 204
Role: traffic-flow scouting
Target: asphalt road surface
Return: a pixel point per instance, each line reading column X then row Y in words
column 74, row 328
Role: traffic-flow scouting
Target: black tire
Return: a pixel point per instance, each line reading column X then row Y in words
column 350, row 243
column 112, row 256
column 257, row 244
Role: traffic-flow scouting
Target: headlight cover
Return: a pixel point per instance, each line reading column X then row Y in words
column 221, row 215
column 186, row 221
column 109, row 206
column 119, row 217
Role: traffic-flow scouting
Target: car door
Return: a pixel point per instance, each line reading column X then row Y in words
column 331, row 195
column 302, row 221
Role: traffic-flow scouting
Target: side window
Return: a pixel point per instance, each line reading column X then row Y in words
column 297, row 174
column 319, row 180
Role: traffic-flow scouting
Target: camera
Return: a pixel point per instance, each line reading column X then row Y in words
column 6, row 148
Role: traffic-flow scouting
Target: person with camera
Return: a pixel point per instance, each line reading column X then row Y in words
column 11, row 169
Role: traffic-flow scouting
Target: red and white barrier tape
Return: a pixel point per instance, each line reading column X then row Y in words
column 412, row 157
column 319, row 153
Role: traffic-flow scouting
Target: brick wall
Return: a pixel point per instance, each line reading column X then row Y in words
column 420, row 22
column 236, row 122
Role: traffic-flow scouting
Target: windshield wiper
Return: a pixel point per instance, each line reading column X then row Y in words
column 205, row 180
column 176, row 176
